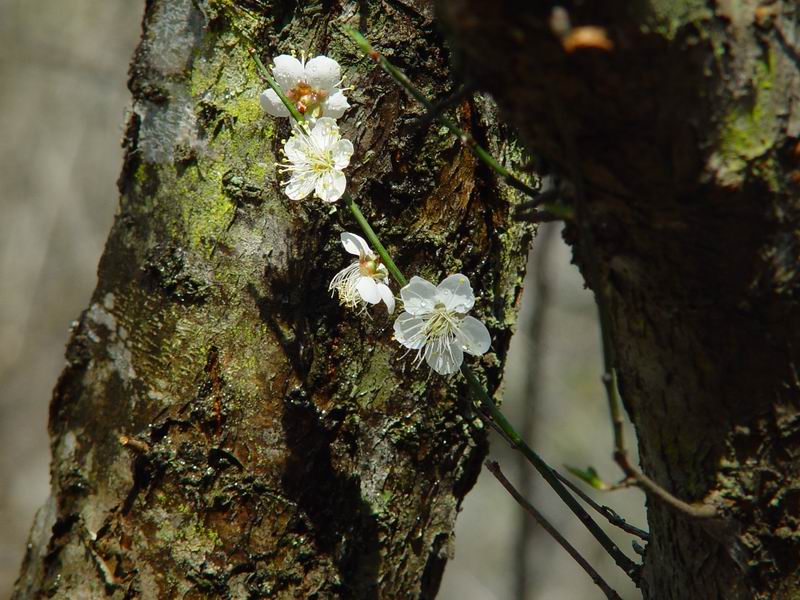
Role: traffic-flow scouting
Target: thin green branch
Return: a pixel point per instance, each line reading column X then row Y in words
column 494, row 469
column 488, row 405
column 549, row 474
column 466, row 138
column 373, row 239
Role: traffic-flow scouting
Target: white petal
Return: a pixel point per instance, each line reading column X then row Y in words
column 341, row 153
column 407, row 330
column 419, row 296
column 296, row 149
column 387, row 296
column 325, row 133
column 355, row 244
column 300, row 186
column 323, row 73
column 272, row 104
column 368, row 290
column 288, row 71
column 445, row 362
column 474, row 336
column 330, row 186
column 335, row 105
column 456, row 293
column 385, row 272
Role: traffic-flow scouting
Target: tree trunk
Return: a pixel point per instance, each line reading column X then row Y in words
column 682, row 143
column 223, row 428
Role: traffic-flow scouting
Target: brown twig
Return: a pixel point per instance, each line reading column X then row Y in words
column 629, row 567
column 609, row 513
column 696, row 511
column 600, row 284
column 494, row 468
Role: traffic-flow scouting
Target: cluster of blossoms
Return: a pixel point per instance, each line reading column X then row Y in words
column 434, row 321
column 316, row 153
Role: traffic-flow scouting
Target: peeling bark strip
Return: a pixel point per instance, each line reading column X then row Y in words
column 681, row 134
column 223, row 429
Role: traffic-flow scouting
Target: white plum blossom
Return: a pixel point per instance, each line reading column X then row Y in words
column 315, row 159
column 364, row 281
column 435, row 323
column 313, row 87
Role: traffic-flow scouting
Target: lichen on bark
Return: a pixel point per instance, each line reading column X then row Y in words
column 223, row 428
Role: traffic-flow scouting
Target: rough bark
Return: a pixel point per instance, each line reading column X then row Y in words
column 682, row 143
column 223, row 428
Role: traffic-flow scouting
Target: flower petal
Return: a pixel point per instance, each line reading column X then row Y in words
column 335, row 105
column 325, row 133
column 456, row 294
column 341, row 153
column 300, row 185
column 296, row 149
column 473, row 336
column 272, row 104
column 288, row 71
column 385, row 272
column 387, row 296
column 355, row 244
column 446, row 362
column 368, row 290
column 419, row 296
column 330, row 186
column 323, row 73
column 408, row 331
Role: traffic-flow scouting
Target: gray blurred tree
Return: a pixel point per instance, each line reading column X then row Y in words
column 678, row 125
column 223, row 428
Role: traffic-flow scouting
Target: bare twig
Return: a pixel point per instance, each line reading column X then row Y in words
column 465, row 137
column 609, row 513
column 696, row 511
column 510, row 434
column 600, row 285
column 494, row 468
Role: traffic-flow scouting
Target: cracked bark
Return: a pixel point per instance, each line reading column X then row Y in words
column 683, row 143
column 222, row 428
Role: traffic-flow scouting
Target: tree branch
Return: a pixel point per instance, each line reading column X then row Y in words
column 494, row 468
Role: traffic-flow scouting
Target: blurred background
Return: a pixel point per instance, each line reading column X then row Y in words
column 62, row 108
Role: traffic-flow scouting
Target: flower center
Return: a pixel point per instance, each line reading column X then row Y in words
column 306, row 98
column 442, row 323
column 368, row 267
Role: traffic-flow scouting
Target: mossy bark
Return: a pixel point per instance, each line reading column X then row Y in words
column 682, row 142
column 223, row 428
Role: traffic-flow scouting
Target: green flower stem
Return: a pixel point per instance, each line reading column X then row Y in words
column 296, row 114
column 480, row 393
column 373, row 239
column 549, row 474
column 465, row 137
